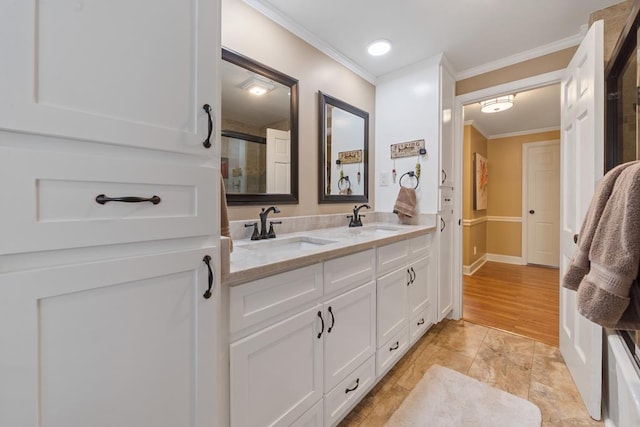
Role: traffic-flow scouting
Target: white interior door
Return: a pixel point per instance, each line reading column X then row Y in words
column 278, row 161
column 542, row 203
column 582, row 152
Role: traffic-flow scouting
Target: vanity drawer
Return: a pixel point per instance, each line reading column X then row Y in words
column 393, row 256
column 349, row 271
column 391, row 351
column 272, row 298
column 349, row 391
column 420, row 246
column 50, row 202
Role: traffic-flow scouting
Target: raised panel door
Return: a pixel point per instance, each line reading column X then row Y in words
column 420, row 292
column 114, row 72
column 124, row 342
column 392, row 304
column 276, row 373
column 350, row 338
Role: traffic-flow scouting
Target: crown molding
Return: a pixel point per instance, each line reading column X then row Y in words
column 524, row 132
column 284, row 21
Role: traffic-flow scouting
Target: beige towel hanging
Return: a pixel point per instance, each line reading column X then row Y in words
column 405, row 206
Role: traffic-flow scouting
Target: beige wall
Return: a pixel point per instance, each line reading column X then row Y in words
column 614, row 18
column 473, row 234
column 250, row 33
column 505, row 191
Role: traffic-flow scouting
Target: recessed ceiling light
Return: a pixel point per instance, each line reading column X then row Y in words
column 257, row 86
column 379, row 47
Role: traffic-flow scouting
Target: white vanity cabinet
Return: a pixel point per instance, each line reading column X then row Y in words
column 405, row 297
column 300, row 336
column 110, row 222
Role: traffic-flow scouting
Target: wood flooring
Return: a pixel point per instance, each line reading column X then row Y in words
column 520, row 299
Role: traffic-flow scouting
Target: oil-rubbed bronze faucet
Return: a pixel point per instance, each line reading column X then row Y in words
column 263, row 222
column 356, row 220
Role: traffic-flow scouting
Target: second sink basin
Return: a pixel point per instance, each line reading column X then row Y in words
column 293, row 243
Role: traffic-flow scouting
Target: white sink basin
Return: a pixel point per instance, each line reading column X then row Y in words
column 293, row 244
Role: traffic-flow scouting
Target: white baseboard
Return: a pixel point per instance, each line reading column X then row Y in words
column 506, row 259
column 468, row 270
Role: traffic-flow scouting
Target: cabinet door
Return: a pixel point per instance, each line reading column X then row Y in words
column 276, row 374
column 392, row 304
column 126, row 342
column 419, row 286
column 350, row 337
column 111, row 72
column 445, row 270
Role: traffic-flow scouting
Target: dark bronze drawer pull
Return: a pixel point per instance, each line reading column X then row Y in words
column 321, row 320
column 333, row 320
column 421, row 322
column 348, row 390
column 207, row 109
column 102, row 199
column 207, row 260
column 395, row 347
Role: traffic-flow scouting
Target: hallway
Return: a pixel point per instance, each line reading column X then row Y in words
column 521, row 299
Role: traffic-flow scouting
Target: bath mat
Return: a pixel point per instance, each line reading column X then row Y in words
column 446, row 398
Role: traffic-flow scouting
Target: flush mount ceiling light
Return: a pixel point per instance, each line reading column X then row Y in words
column 495, row 105
column 257, row 86
column 379, row 47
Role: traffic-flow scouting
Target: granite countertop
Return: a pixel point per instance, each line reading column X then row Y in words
column 251, row 260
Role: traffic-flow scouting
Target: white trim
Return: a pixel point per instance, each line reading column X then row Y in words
column 525, row 191
column 467, row 98
column 506, row 259
column 520, row 57
column 504, row 218
column 281, row 19
column 475, row 221
column 522, row 85
column 524, row 132
column 469, row 270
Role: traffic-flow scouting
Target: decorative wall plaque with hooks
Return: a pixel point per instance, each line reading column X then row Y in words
column 408, row 149
column 346, row 157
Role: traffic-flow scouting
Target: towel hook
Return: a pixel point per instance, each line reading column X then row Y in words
column 411, row 174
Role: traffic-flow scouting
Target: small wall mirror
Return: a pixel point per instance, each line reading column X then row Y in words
column 344, row 145
column 259, row 137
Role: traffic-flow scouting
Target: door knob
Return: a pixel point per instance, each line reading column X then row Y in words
column 532, row 211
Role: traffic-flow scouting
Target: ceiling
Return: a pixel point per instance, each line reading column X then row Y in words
column 475, row 36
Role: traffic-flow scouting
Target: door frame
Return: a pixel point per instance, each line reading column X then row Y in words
column 522, row 85
column 525, row 193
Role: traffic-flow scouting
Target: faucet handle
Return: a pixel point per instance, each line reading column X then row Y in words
column 271, row 233
column 254, row 235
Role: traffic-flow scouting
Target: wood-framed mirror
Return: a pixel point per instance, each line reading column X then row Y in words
column 344, row 152
column 259, row 136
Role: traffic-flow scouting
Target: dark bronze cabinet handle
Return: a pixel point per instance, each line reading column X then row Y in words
column 413, row 275
column 102, row 199
column 575, row 238
column 421, row 322
column 395, row 347
column 409, row 273
column 322, row 320
column 207, row 142
column 348, row 390
column 442, row 224
column 532, row 211
column 444, row 176
column 333, row 320
column 207, row 260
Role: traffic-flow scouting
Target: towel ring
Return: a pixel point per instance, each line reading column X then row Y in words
column 342, row 181
column 411, row 174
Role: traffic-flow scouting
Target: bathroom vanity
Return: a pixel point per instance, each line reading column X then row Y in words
column 317, row 317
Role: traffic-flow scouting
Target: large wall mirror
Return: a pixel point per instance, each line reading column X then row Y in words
column 259, row 152
column 344, row 147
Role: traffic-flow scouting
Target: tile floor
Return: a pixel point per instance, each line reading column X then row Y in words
column 518, row 365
